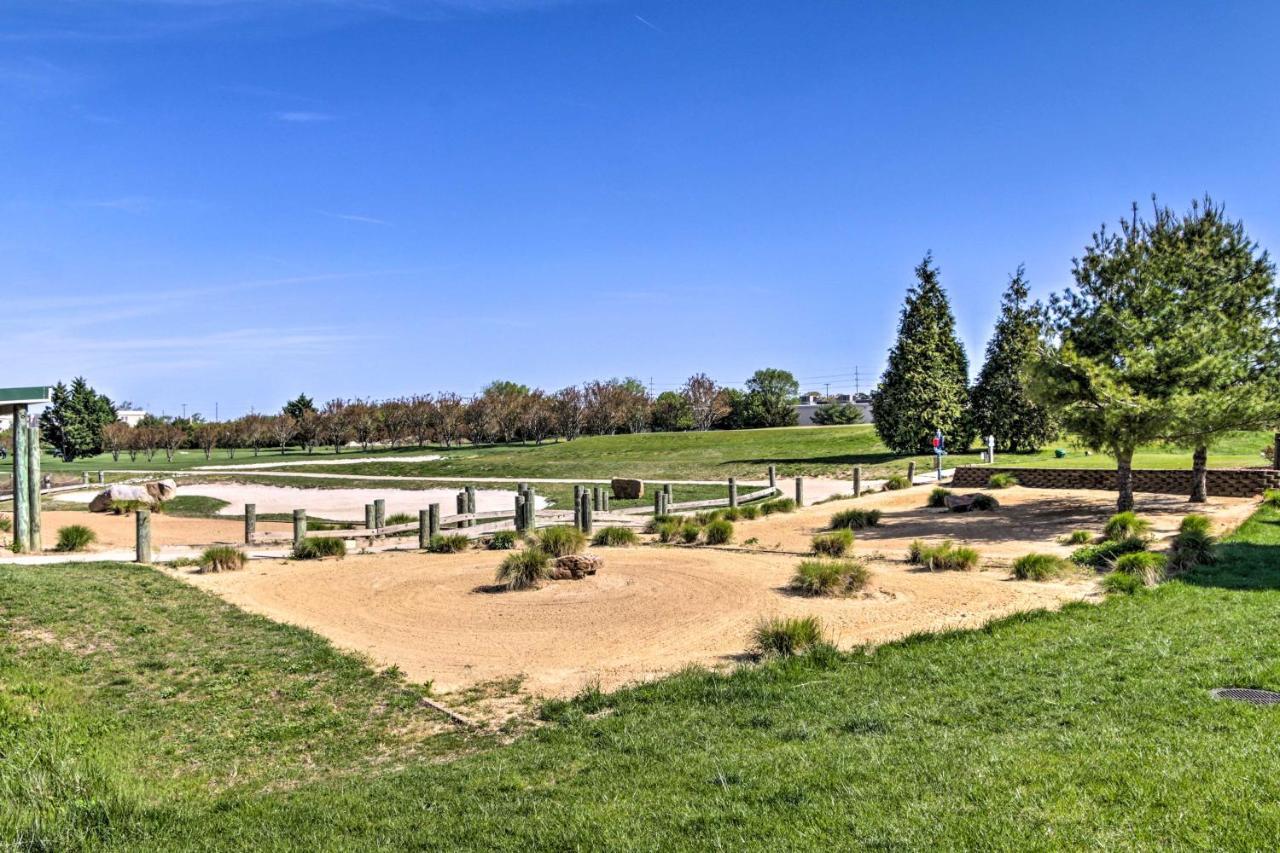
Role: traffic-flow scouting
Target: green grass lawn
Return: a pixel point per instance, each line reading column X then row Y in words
column 139, row 713
column 831, row 451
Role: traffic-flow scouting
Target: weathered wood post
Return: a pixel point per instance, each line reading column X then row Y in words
column 21, row 495
column 250, row 522
column 33, row 486
column 142, row 525
column 530, row 509
column 519, row 520
column 857, row 481
column 733, row 493
column 471, row 499
column 604, row 499
column 577, row 508
column 911, row 473
column 773, row 476
column 596, row 504
column 666, row 490
column 1275, row 451
column 84, row 477
column 433, row 521
column 799, row 491
column 657, row 501
column 370, row 521
column 299, row 526
column 461, row 502
column 937, row 466
column 379, row 513
column 586, row 514
column 102, row 477
column 424, row 529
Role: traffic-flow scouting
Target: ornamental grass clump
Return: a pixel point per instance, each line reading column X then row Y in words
column 1104, row 553
column 749, row 512
column 525, row 569
column 669, row 530
column 778, row 505
column 895, row 482
column 221, row 558
column 448, row 543
column 938, row 498
column 1144, row 565
column 829, row 577
column 1271, row 498
column 1003, row 480
column 75, row 537
column 614, row 537
column 1194, row 544
column 657, row 521
column 718, row 532
column 944, row 556
column 1126, row 525
column 319, row 547
column 1077, row 537
column 689, row 532
column 399, row 518
column 561, row 541
column 834, row 544
column 1118, row 584
column 854, row 519
column 785, row 637
column 1040, row 567
column 503, row 540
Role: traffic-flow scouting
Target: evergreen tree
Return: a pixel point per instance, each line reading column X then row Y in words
column 1001, row 405
column 926, row 385
column 299, row 407
column 74, row 421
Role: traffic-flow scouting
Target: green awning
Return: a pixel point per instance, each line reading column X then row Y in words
column 10, row 397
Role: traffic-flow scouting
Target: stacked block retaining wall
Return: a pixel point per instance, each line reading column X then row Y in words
column 1221, row 482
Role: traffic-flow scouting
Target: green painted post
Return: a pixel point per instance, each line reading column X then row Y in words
column 21, row 515
column 424, row 529
column 433, row 521
column 857, row 481
column 142, row 524
column 33, row 486
column 380, row 513
column 586, row 514
column 299, row 526
column 370, row 519
column 799, row 491
column 911, row 473
column 250, row 522
column 733, row 493
column 773, row 476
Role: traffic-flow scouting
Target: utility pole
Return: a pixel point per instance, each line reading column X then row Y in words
column 184, row 411
column 215, row 413
column 828, row 386
column 857, row 384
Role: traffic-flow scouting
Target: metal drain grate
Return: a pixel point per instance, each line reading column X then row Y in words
column 1247, row 694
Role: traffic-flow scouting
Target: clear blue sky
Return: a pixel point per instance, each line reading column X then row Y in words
column 237, row 200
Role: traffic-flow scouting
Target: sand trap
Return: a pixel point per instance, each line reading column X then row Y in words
column 650, row 611
column 1028, row 520
column 338, row 460
column 335, row 504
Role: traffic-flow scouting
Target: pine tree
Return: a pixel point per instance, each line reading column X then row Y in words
column 1001, row 405
column 926, row 385
column 74, row 421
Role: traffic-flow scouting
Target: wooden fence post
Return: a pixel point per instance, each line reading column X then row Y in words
column 299, row 526
column 250, row 522
column 84, row 478
column 773, row 476
column 577, row 507
column 380, row 513
column 433, row 521
column 937, row 466
column 911, row 473
column 799, row 491
column 520, row 504
column 142, row 524
column 370, row 520
column 657, row 502
column 530, row 509
column 596, row 504
column 857, row 481
column 471, row 499
column 424, row 528
column 102, row 477
column 733, row 493
column 461, row 502
column 586, row 514
column 604, row 499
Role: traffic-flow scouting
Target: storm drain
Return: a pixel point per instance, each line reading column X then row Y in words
column 1246, row 694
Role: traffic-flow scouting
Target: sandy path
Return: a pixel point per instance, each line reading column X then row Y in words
column 119, row 531
column 650, row 611
column 1028, row 520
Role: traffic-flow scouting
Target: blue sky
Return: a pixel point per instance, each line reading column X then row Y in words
column 232, row 201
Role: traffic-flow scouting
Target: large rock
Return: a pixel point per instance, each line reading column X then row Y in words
column 575, row 567
column 120, row 492
column 965, row 503
column 161, row 490
column 627, row 490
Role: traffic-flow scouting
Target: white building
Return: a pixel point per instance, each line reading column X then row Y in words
column 131, row 416
column 810, row 403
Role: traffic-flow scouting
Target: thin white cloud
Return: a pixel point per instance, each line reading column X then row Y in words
column 650, row 25
column 302, row 116
column 353, row 217
column 127, row 204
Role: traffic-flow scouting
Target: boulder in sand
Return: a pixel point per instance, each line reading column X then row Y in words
column 575, row 567
column 161, row 490
column 627, row 490
column 120, row 492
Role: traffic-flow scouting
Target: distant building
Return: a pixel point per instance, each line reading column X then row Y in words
column 131, row 416
column 810, row 403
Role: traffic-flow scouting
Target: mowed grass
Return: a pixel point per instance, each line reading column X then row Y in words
column 809, row 451
column 138, row 713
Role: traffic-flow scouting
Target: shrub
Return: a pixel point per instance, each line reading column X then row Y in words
column 318, row 547
column 915, row 551
column 399, row 518
column 1193, row 546
column 6, row 524
column 719, row 532
column 834, row 544
column 1003, row 480
column 1144, row 565
column 1104, row 553
column 524, row 569
column 1077, row 537
column 782, row 637
column 985, row 503
column 938, row 498
column 945, row 556
column 669, row 530
column 1040, row 567
column 1117, row 584
column 223, row 558
column 561, row 541
column 1271, row 497
column 749, row 512
column 126, row 507
column 689, row 532
column 657, row 521
column 614, row 537
column 75, row 537
column 778, row 505
column 448, row 543
column 503, row 540
column 829, row 577
column 731, row 514
column 897, row 481
column 855, row 519
column 1126, row 525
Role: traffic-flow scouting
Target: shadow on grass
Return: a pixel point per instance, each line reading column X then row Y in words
column 1241, row 566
